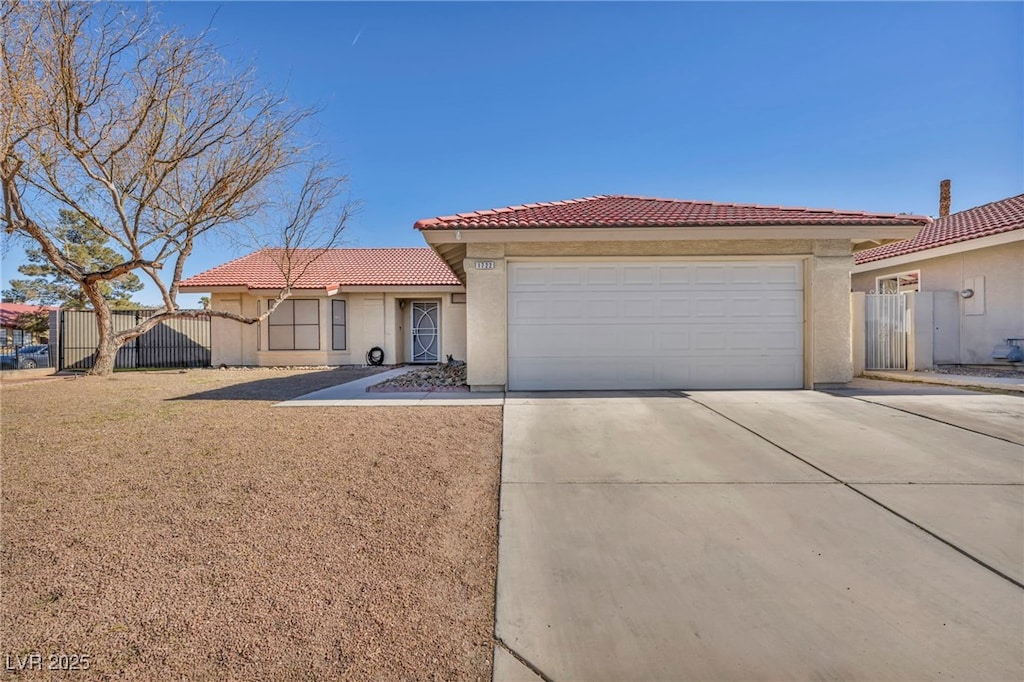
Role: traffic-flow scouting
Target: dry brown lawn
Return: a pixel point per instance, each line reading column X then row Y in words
column 175, row 525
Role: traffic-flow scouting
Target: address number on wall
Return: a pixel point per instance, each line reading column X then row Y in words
column 485, row 265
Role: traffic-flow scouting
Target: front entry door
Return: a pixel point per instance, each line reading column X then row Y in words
column 426, row 346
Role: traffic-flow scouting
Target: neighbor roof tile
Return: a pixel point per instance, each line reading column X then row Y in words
column 981, row 221
column 630, row 211
column 10, row 312
column 331, row 268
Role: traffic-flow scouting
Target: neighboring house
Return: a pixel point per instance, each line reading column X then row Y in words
column 11, row 333
column 969, row 270
column 405, row 301
column 607, row 292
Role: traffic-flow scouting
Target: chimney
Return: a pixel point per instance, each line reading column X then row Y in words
column 944, row 198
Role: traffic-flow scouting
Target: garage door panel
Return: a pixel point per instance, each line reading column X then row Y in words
column 655, row 325
column 643, row 275
column 579, row 374
column 569, row 275
column 524, row 309
column 673, row 344
column 602, row 308
column 565, row 308
column 669, row 307
column 710, row 342
column 525, row 276
column 638, row 308
column 789, row 307
column 710, row 274
column 592, row 340
column 576, row 374
column 783, row 275
column 737, row 374
column 764, row 341
column 675, row 275
column 711, row 307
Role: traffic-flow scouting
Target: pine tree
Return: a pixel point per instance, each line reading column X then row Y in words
column 85, row 245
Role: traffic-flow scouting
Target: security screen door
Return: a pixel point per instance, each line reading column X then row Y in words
column 425, row 340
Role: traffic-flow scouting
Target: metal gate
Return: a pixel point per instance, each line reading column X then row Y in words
column 180, row 342
column 885, row 317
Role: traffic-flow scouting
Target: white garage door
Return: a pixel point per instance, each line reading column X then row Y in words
column 635, row 325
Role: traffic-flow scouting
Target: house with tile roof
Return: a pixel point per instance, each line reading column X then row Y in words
column 603, row 292
column 405, row 301
column 12, row 331
column 965, row 272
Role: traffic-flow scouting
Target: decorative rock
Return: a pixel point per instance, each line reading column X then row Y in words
column 430, row 378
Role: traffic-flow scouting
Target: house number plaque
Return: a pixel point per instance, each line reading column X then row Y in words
column 485, row 265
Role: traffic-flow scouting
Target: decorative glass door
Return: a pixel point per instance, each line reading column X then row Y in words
column 426, row 345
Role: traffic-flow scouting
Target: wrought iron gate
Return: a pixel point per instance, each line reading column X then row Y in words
column 885, row 317
column 181, row 342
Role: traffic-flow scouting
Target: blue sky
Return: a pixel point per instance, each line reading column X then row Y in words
column 439, row 108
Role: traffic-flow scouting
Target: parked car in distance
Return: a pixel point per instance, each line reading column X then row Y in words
column 27, row 357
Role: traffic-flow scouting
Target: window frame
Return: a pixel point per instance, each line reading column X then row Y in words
column 898, row 276
column 290, row 302
column 344, row 325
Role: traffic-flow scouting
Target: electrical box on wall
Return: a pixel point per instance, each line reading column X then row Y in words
column 973, row 295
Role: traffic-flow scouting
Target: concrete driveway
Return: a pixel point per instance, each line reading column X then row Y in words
column 873, row 534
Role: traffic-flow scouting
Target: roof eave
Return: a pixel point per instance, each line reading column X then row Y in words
column 877, row 233
column 939, row 251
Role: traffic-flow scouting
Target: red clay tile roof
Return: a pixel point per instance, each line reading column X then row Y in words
column 629, row 211
column 9, row 312
column 331, row 269
column 982, row 221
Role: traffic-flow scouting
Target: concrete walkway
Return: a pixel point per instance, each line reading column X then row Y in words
column 996, row 415
column 759, row 535
column 354, row 394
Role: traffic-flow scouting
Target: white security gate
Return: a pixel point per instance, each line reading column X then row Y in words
column 642, row 324
column 425, row 332
column 885, row 338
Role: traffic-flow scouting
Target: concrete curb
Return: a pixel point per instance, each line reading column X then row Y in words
column 954, row 380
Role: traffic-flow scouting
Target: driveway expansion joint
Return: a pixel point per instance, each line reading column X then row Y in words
column 939, row 538
column 851, row 487
column 924, row 416
column 525, row 661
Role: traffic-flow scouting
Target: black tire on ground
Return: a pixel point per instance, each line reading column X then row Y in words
column 28, row 364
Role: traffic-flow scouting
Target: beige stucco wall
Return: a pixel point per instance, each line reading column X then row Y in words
column 828, row 292
column 232, row 343
column 373, row 319
column 827, row 286
column 486, row 318
column 997, row 309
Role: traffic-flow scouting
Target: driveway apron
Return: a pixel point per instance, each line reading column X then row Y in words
column 755, row 536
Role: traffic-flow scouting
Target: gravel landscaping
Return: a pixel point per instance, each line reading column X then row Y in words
column 430, row 378
column 174, row 525
column 974, row 371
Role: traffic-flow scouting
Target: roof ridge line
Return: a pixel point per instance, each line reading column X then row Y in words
column 511, row 208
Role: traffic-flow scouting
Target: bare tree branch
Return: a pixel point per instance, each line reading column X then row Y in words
column 153, row 137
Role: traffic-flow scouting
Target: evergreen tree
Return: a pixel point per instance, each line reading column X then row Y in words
column 85, row 245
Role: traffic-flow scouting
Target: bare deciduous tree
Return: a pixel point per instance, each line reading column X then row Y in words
column 152, row 136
